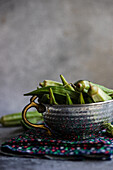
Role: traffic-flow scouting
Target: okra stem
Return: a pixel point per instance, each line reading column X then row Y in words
column 65, row 83
column 82, row 101
column 68, row 99
column 52, row 97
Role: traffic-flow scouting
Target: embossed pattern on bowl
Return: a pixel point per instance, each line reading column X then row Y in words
column 83, row 120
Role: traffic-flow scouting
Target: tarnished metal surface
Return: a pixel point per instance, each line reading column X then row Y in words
column 82, row 120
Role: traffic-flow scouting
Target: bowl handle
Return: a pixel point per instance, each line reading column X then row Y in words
column 40, row 108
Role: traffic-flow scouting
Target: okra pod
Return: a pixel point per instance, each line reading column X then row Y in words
column 81, row 98
column 84, row 85
column 105, row 89
column 15, row 118
column 68, row 99
column 17, row 122
column 46, row 83
column 65, row 83
column 97, row 94
column 57, row 90
column 52, row 97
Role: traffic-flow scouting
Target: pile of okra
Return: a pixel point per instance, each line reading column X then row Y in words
column 56, row 93
column 79, row 92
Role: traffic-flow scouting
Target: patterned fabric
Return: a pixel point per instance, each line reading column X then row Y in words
column 37, row 142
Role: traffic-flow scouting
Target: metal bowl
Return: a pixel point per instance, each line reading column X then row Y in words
column 81, row 120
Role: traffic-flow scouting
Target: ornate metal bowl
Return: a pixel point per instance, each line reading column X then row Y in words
column 83, row 120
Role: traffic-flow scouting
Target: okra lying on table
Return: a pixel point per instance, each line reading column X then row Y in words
column 15, row 118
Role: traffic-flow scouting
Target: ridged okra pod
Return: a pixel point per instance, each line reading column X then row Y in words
column 97, row 94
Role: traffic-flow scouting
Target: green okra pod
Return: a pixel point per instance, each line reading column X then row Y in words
column 97, row 94
column 65, row 83
column 46, row 83
column 68, row 99
column 57, row 90
column 52, row 97
column 105, row 89
column 81, row 98
column 84, row 85
column 17, row 122
column 15, row 118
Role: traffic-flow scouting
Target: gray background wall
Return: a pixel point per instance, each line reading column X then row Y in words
column 41, row 39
